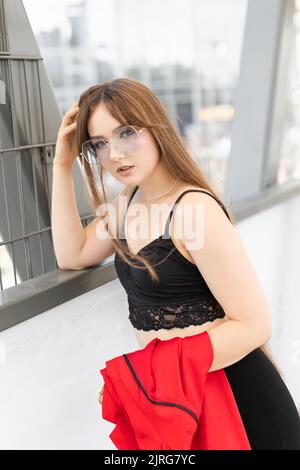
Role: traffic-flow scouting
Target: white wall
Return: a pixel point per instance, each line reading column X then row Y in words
column 49, row 365
column 49, row 372
column 272, row 240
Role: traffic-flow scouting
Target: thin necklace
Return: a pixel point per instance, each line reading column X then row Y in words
column 148, row 198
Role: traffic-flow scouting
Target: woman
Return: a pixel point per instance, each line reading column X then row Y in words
column 179, row 282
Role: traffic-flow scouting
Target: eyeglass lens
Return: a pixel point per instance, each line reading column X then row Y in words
column 125, row 141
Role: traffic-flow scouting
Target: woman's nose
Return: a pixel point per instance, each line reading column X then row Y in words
column 115, row 154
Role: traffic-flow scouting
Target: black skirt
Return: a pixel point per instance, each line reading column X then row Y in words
column 268, row 411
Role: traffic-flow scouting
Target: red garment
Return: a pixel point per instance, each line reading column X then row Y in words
column 163, row 397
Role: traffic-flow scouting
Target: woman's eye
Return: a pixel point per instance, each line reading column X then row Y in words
column 99, row 144
column 126, row 132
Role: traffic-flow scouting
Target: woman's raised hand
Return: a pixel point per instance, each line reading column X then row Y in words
column 66, row 150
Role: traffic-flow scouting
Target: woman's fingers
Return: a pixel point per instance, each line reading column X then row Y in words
column 69, row 115
column 100, row 396
column 69, row 128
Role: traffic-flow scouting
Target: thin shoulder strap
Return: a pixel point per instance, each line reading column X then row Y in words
column 122, row 237
column 188, row 191
column 133, row 193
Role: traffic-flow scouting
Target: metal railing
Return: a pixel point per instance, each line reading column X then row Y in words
column 29, row 122
column 25, row 227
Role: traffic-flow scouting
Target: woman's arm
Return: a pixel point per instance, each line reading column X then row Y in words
column 77, row 247
column 224, row 264
column 67, row 231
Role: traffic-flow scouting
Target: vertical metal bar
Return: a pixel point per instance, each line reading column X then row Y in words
column 1, row 283
column 7, row 217
column 45, row 167
column 33, row 173
column 41, row 99
column 38, row 215
column 5, row 37
column 22, row 208
column 17, row 157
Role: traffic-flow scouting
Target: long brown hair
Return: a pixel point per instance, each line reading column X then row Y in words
column 130, row 101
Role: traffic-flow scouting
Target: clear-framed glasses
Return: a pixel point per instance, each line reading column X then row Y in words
column 97, row 150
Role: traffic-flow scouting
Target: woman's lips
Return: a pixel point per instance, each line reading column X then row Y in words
column 126, row 172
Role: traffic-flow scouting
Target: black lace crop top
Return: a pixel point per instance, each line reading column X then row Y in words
column 180, row 298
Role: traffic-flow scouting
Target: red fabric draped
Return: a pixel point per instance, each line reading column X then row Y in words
column 163, row 397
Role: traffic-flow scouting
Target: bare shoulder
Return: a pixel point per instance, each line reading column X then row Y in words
column 195, row 197
column 208, row 201
column 197, row 207
column 189, row 198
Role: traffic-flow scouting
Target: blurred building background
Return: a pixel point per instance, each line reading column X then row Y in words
column 228, row 73
column 191, row 62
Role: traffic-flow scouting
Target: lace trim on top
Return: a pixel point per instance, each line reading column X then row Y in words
column 155, row 317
